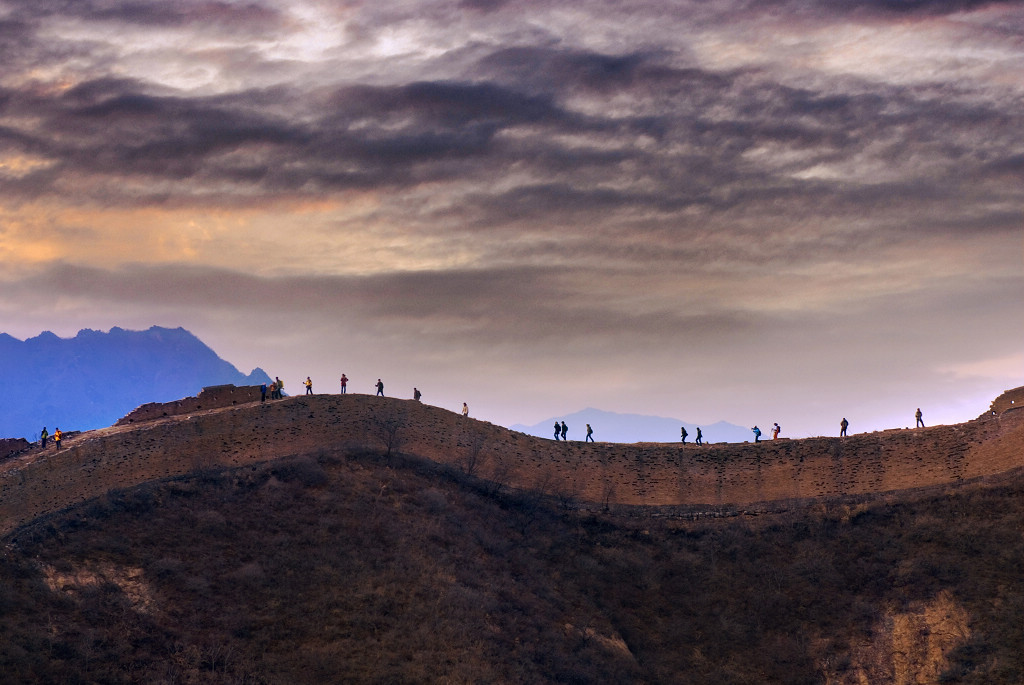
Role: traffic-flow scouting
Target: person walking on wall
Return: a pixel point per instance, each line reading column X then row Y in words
column 699, row 436
column 775, row 432
column 57, row 435
column 558, row 431
column 344, row 383
column 416, row 394
column 683, row 434
column 309, row 385
column 590, row 434
column 757, row 434
column 465, row 409
column 380, row 387
column 842, row 427
column 920, row 418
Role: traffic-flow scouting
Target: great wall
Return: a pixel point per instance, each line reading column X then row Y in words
column 228, row 426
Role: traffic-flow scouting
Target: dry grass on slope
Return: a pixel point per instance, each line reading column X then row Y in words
column 352, row 568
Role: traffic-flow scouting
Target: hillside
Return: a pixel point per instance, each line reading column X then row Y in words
column 94, row 378
column 347, row 566
column 363, row 539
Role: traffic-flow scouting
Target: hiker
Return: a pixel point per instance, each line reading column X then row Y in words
column 43, row 438
column 380, row 387
column 590, row 434
column 565, row 430
column 278, row 387
column 842, row 427
column 57, row 435
column 344, row 383
column 757, row 434
column 309, row 385
column 920, row 420
column 263, row 392
column 699, row 436
column 465, row 409
column 416, row 394
column 683, row 434
column 775, row 432
column 558, row 431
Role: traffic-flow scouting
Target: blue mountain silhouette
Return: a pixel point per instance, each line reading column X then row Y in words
column 95, row 378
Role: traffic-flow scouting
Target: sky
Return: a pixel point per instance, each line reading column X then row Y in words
column 710, row 210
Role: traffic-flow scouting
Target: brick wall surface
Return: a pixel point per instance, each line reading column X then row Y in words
column 34, row 483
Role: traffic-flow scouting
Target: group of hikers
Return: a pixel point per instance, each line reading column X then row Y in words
column 58, row 435
column 561, row 429
column 562, row 432
column 843, row 425
column 277, row 385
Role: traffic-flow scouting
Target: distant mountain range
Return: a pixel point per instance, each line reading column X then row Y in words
column 95, row 378
column 611, row 427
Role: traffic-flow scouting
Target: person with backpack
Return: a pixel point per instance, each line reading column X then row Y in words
column 757, row 434
column 699, row 436
column 842, row 427
column 683, row 434
column 43, row 438
column 775, row 432
column 309, row 385
column 590, row 434
column 558, row 431
column 565, row 431
column 57, row 435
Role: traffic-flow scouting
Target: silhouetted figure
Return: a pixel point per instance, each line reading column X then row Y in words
column 920, row 418
column 43, row 437
column 344, row 384
column 465, row 409
column 699, row 436
column 416, row 394
column 842, row 427
column 309, row 385
column 775, row 432
column 558, row 431
column 590, row 434
column 683, row 434
column 263, row 392
column 565, row 430
column 380, row 387
column 57, row 435
column 757, row 434
column 278, row 387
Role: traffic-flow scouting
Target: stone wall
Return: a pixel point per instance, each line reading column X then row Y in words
column 1011, row 399
column 35, row 483
column 11, row 446
column 209, row 397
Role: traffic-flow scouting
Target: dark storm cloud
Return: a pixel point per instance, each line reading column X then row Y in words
column 733, row 144
column 231, row 15
column 517, row 305
column 904, row 7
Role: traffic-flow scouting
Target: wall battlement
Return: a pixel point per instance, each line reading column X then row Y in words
column 210, row 397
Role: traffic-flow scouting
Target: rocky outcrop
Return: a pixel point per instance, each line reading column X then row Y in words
column 655, row 474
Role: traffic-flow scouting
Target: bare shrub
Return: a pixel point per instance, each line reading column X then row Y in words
column 388, row 426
